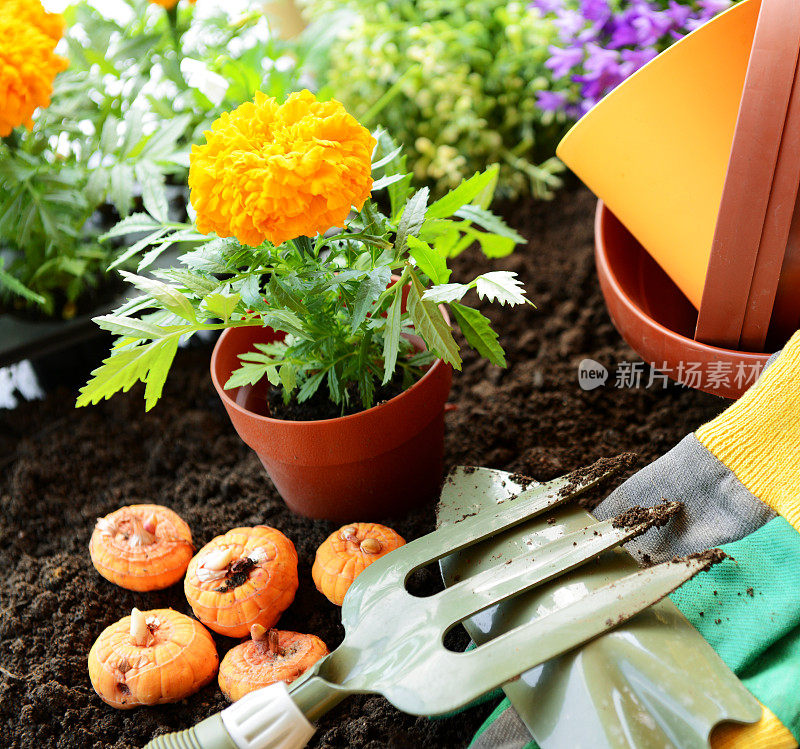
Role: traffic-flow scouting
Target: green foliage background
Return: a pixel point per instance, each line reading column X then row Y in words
column 455, row 82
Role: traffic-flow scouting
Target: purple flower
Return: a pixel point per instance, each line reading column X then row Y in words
column 562, row 61
column 633, row 59
column 546, row 7
column 595, row 10
column 710, row 8
column 679, row 14
column 599, row 47
column 551, row 101
column 569, row 23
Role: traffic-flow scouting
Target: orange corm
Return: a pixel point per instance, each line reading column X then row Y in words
column 267, row 657
column 270, row 171
column 28, row 63
column 151, row 657
column 141, row 547
column 247, row 576
column 345, row 554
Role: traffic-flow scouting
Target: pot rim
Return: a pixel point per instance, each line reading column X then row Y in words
column 607, row 272
column 230, row 403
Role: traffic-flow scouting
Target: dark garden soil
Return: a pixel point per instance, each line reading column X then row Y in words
column 61, row 468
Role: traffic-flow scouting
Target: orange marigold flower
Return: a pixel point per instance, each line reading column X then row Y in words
column 28, row 65
column 32, row 12
column 277, row 172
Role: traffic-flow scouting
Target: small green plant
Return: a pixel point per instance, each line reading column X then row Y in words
column 338, row 297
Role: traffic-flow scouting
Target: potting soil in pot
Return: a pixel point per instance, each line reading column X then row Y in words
column 61, row 468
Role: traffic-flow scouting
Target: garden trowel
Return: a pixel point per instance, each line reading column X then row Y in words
column 652, row 682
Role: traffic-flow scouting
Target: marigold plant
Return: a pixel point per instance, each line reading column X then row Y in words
column 275, row 172
column 356, row 299
column 28, row 64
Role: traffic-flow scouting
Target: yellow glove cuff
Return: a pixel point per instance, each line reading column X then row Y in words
column 758, row 437
column 768, row 733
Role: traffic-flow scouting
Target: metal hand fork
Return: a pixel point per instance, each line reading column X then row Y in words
column 394, row 640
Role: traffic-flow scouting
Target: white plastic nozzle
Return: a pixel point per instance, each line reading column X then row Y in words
column 267, row 719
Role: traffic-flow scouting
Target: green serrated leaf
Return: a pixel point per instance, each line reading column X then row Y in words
column 194, row 282
column 469, row 190
column 221, row 305
column 310, row 386
column 484, row 198
column 250, row 289
column 334, row 387
column 446, row 293
column 430, row 262
column 210, row 257
column 108, row 135
column 154, row 195
column 389, row 179
column 288, row 376
column 366, row 383
column 492, row 245
column 15, row 286
column 170, row 297
column 412, row 219
column 430, row 324
column 478, row 332
column 368, row 292
column 286, row 297
column 134, row 223
column 490, row 222
column 502, row 286
column 137, row 247
column 284, row 320
column 121, row 188
column 128, row 326
column 248, row 374
column 391, row 334
column 127, row 366
column 159, row 370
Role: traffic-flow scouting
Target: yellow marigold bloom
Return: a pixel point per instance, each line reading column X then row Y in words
column 277, row 172
column 28, row 66
column 32, row 12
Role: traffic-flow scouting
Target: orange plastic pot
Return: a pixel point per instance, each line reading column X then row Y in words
column 657, row 319
column 381, row 462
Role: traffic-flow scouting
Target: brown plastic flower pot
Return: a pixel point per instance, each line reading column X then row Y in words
column 658, row 320
column 762, row 300
column 381, row 462
column 786, row 314
column 760, row 188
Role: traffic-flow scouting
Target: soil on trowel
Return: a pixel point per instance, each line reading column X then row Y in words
column 61, row 468
column 598, row 471
column 649, row 517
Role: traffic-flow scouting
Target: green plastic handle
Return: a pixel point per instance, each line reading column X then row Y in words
column 208, row 734
column 269, row 718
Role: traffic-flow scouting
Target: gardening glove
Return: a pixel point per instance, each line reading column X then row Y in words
column 739, row 479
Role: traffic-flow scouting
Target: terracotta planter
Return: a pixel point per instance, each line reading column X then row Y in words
column 657, row 319
column 370, row 465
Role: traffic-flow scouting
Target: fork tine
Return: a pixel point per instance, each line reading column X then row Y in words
column 504, row 658
column 525, row 505
column 555, row 558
